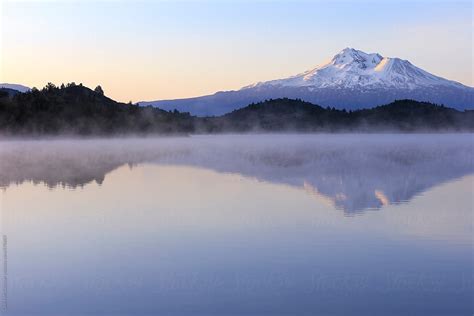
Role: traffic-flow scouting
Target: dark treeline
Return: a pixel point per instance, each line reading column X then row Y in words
column 77, row 110
column 300, row 116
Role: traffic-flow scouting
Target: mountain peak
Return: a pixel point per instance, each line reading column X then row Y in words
column 350, row 56
column 349, row 50
column 356, row 69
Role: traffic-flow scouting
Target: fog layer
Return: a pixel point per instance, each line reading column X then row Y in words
column 356, row 172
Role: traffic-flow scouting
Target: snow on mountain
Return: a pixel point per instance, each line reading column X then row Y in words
column 352, row 80
column 17, row 87
column 353, row 68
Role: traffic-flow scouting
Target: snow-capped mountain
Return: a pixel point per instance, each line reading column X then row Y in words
column 352, row 79
column 354, row 69
column 17, row 87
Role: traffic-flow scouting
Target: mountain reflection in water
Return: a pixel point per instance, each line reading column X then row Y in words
column 353, row 172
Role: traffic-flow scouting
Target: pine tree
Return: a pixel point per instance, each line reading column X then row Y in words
column 99, row 90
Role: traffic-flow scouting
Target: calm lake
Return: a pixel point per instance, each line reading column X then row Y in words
column 238, row 225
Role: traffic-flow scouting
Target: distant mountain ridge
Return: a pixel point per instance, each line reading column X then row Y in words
column 351, row 80
column 13, row 86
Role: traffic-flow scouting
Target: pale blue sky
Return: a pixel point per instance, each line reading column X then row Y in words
column 145, row 50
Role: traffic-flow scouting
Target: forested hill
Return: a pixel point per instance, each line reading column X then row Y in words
column 297, row 115
column 75, row 109
column 78, row 110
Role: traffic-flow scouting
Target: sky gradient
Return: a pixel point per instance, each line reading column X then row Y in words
column 149, row 50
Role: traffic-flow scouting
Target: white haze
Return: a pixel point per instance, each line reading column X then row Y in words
column 355, row 171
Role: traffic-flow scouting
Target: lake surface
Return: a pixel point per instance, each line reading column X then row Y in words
column 238, row 225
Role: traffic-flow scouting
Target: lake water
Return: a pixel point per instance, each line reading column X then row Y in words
column 238, row 225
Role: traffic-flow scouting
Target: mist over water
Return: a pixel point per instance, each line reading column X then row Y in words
column 238, row 225
column 355, row 171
